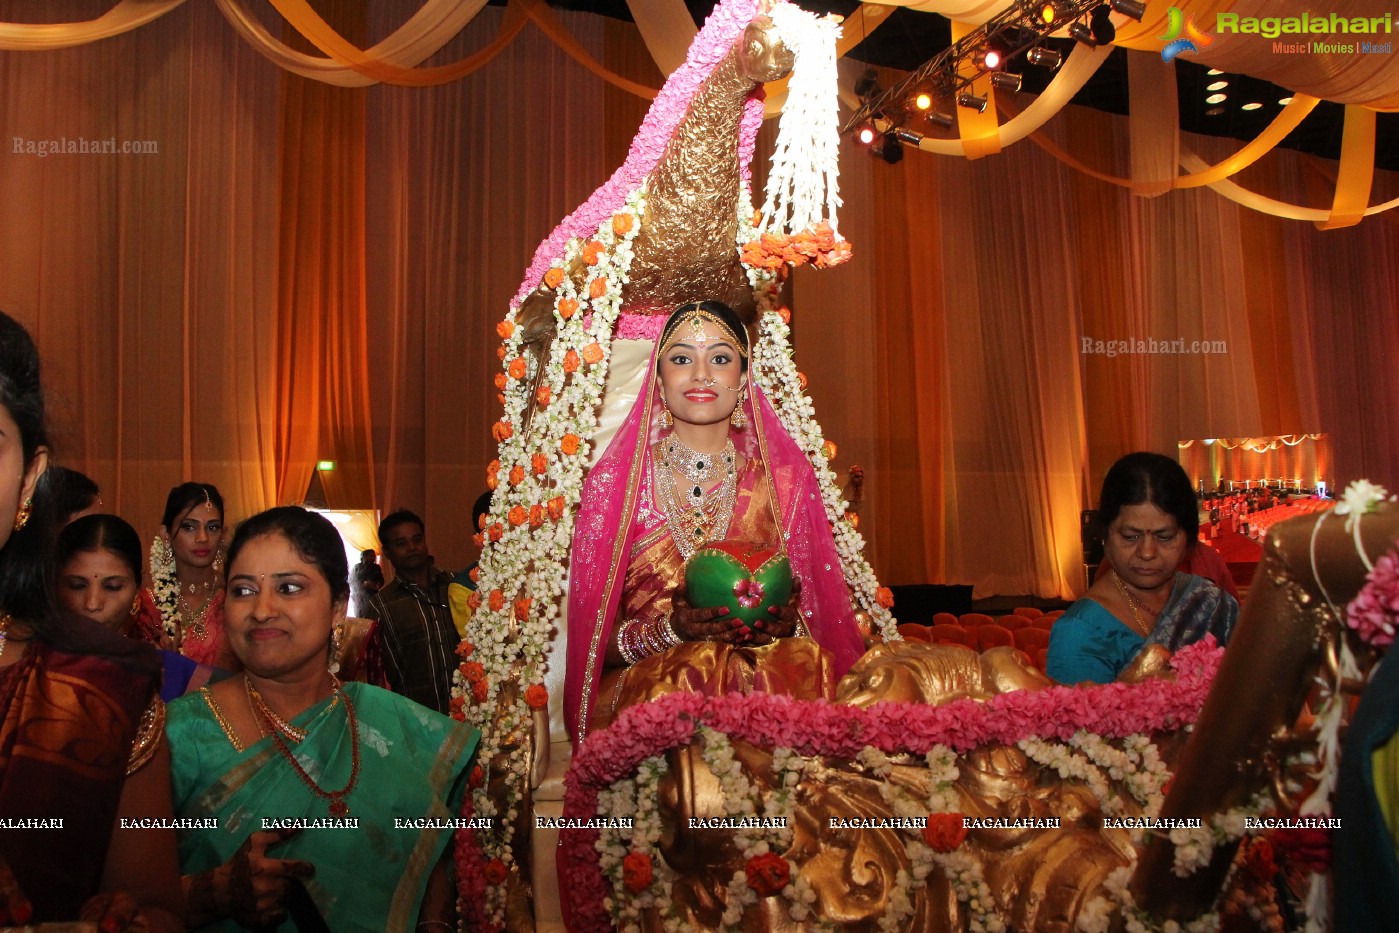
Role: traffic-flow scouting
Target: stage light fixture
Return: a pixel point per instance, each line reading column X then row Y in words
column 1284, row 100
column 1100, row 21
column 1252, row 105
column 1214, row 111
column 891, row 151
column 1214, row 71
column 1133, row 9
column 866, row 135
column 868, row 85
column 908, row 136
column 972, row 102
column 1217, row 86
column 1006, row 81
column 992, row 59
column 942, row 118
column 1044, row 58
column 1049, row 14
column 923, row 101
column 1081, row 33
column 1216, row 98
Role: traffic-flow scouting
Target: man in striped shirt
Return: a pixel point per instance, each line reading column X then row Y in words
column 415, row 627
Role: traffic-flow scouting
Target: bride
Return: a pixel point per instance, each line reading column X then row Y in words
column 701, row 459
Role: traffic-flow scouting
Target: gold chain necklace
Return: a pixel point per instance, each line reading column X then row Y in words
column 695, row 517
column 1138, row 624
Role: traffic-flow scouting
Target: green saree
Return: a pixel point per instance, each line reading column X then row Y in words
column 372, row 865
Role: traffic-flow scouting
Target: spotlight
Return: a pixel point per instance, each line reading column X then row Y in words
column 1133, row 9
column 1216, row 98
column 941, row 118
column 992, row 59
column 1100, row 21
column 972, row 102
column 1044, row 58
column 1217, row 86
column 999, row 47
column 892, row 152
column 923, row 101
column 1284, row 100
column 1253, row 105
column 909, row 136
column 866, row 135
column 1006, row 81
column 1081, row 33
column 1049, row 13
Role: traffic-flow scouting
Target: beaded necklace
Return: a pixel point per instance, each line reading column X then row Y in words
column 694, row 516
column 276, row 728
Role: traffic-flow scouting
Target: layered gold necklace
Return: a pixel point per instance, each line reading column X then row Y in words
column 695, row 516
column 1135, row 606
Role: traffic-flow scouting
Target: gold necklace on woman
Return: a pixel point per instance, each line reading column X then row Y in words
column 192, row 620
column 266, row 718
column 694, row 516
column 1138, row 623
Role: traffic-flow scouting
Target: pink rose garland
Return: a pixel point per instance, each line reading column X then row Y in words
column 822, row 729
column 1374, row 611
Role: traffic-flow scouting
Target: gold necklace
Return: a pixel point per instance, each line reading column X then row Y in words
column 1138, row 624
column 5, row 621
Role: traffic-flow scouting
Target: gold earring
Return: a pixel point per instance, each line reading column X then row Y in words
column 22, row 517
column 738, row 419
column 136, row 604
column 667, row 419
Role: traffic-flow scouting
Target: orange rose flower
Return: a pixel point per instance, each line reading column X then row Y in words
column 477, row 539
column 497, row 601
column 543, row 395
column 571, row 362
column 475, row 573
column 478, row 777
column 621, row 223
column 553, row 278
column 464, row 649
column 519, row 368
column 885, row 597
column 502, row 431
column 474, row 601
column 517, row 475
column 569, row 444
column 598, row 288
column 495, row 531
column 540, row 464
column 801, row 380
column 517, row 516
column 479, row 691
column 501, row 381
column 457, row 705
column 537, row 696
column 500, row 398
column 785, row 313
column 768, row 873
column 505, row 329
column 592, row 251
column 473, row 671
column 636, row 872
column 500, row 353
column 493, row 467
column 492, row 481
column 556, row 505
column 568, row 307
column 829, row 449
column 592, row 354
column 944, row 831
column 854, row 519
column 536, row 515
column 496, row 872
column 522, row 608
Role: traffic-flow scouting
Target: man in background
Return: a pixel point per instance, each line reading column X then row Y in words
column 416, row 634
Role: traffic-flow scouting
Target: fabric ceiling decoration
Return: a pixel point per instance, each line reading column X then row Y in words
column 125, row 16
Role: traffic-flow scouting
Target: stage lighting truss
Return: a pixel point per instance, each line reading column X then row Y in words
column 927, row 93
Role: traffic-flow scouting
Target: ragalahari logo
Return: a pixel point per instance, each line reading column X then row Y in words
column 1195, row 38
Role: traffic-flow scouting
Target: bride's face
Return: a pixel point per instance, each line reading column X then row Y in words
column 700, row 375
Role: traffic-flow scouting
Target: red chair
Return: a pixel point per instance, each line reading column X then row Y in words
column 1051, row 616
column 952, row 635
column 993, row 636
column 1029, row 612
column 912, row 631
column 1012, row 622
column 1031, row 639
column 944, row 618
column 1043, row 622
column 973, row 619
column 1042, row 659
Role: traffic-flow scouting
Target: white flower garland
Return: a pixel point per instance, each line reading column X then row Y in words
column 165, row 587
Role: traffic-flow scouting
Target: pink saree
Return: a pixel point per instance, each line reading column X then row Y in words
column 620, row 560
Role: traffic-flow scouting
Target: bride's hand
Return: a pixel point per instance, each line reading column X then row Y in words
column 693, row 624
column 783, row 623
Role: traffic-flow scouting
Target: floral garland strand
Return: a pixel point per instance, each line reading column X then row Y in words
column 165, row 587
column 776, row 371
column 537, row 479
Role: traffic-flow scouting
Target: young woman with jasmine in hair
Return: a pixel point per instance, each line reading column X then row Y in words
column 183, row 606
column 81, row 745
column 287, row 741
column 701, row 459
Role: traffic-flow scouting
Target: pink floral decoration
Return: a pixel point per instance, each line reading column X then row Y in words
column 821, row 728
column 1375, row 609
column 715, row 39
column 471, row 881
